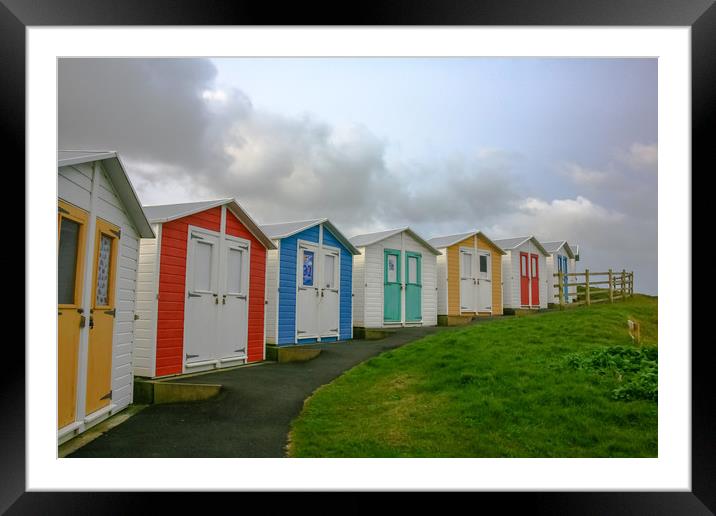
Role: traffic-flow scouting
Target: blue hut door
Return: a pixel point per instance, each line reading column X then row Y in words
column 565, row 269
column 413, row 287
column 307, row 292
column 329, row 299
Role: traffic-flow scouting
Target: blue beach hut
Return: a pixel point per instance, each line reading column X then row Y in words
column 309, row 291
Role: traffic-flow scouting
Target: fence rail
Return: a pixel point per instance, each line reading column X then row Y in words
column 621, row 286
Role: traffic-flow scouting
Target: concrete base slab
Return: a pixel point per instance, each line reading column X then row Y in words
column 294, row 353
column 156, row 391
column 454, row 320
column 372, row 333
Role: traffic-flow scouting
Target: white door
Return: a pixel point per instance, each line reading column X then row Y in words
column 329, row 304
column 200, row 319
column 307, row 295
column 234, row 304
column 484, row 281
column 468, row 281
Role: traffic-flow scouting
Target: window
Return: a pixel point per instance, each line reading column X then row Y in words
column 412, row 270
column 307, row 268
column 483, row 263
column 392, row 268
column 203, row 265
column 234, row 273
column 523, row 268
column 67, row 261
column 103, row 264
column 329, row 271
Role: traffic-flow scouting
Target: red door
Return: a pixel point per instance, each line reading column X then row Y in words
column 535, row 279
column 524, row 280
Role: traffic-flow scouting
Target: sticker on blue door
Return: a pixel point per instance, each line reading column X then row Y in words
column 308, row 268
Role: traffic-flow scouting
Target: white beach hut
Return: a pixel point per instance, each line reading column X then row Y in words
column 525, row 276
column 559, row 260
column 100, row 222
column 394, row 280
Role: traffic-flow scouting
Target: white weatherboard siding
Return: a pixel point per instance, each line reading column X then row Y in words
column 552, row 293
column 271, row 312
column 110, row 208
column 370, row 302
column 359, row 288
column 511, row 289
column 77, row 185
column 441, row 275
column 145, row 328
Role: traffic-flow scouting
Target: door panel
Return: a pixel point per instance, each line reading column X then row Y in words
column 413, row 287
column 71, row 252
column 102, row 315
column 234, row 299
column 329, row 303
column 202, row 286
column 391, row 286
column 565, row 269
column 524, row 280
column 468, row 281
column 484, row 281
column 534, row 270
column 307, row 292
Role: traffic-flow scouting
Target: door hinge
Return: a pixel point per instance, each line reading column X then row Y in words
column 107, row 396
column 191, row 294
column 334, row 329
column 112, row 312
column 239, row 350
column 196, row 237
column 117, row 233
column 136, row 317
column 300, row 331
column 83, row 321
column 62, row 210
column 188, row 356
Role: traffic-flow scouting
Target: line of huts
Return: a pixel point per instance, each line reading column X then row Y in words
column 157, row 291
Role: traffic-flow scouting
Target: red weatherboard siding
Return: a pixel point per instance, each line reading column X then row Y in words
column 257, row 280
column 172, row 282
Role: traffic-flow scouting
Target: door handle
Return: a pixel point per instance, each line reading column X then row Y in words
column 91, row 323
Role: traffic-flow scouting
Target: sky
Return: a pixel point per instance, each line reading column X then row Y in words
column 562, row 148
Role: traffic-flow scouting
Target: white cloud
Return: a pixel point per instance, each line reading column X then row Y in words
column 641, row 156
column 584, row 176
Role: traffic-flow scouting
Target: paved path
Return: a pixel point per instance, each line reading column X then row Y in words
column 252, row 414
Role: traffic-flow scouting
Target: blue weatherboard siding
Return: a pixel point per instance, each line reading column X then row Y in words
column 346, row 309
column 287, row 286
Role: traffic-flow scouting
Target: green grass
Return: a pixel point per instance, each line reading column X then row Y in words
column 557, row 384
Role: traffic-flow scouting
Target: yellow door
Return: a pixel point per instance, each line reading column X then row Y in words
column 99, row 357
column 71, row 235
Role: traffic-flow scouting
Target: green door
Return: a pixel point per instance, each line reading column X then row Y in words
column 413, row 287
column 391, row 286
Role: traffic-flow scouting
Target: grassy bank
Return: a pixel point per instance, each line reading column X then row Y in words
column 558, row 384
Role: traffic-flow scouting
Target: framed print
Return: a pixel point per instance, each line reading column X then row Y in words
column 283, row 246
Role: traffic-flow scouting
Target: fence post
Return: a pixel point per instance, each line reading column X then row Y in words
column 631, row 283
column 586, row 287
column 611, row 288
column 561, row 289
column 623, row 284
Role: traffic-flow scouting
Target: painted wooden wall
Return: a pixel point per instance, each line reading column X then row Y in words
column 368, row 299
column 285, row 306
column 511, row 283
column 76, row 185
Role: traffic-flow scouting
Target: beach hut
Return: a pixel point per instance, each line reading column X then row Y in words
column 394, row 280
column 469, row 277
column 200, row 289
column 559, row 260
column 308, row 283
column 99, row 224
column 525, row 274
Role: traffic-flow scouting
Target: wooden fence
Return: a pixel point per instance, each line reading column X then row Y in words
column 620, row 286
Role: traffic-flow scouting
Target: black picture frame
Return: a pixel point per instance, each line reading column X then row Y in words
column 700, row 15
